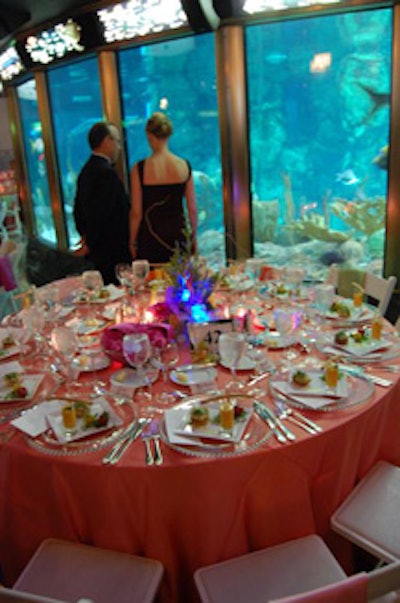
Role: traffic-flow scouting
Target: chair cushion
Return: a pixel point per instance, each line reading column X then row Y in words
column 72, row 571
column 370, row 515
column 282, row 570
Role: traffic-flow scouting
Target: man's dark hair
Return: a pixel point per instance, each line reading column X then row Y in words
column 97, row 134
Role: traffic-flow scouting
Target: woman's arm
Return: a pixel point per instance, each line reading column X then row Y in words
column 136, row 211
column 192, row 210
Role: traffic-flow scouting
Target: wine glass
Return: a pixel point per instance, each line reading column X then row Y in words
column 136, row 349
column 33, row 321
column 287, row 321
column 65, row 342
column 231, row 347
column 92, row 282
column 164, row 358
column 124, row 274
column 324, row 294
column 140, row 270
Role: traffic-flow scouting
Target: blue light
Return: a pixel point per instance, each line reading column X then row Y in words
column 185, row 295
column 200, row 313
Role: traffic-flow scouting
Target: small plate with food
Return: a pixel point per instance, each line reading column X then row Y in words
column 205, row 425
column 359, row 345
column 77, row 419
column 86, row 326
column 193, row 376
column 309, row 388
column 19, row 387
column 9, row 343
column 203, row 422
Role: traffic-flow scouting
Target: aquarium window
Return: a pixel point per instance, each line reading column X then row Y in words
column 75, row 98
column 135, row 18
column 36, row 163
column 179, row 78
column 319, row 118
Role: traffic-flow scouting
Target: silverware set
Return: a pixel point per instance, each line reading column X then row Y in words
column 129, row 435
column 275, row 421
column 151, row 436
column 148, row 430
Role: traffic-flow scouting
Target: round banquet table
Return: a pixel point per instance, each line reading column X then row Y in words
column 194, row 511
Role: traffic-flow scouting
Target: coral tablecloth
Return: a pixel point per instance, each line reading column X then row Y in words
column 191, row 512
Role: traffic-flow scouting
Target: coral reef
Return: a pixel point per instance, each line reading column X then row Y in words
column 367, row 216
column 313, row 226
column 265, row 220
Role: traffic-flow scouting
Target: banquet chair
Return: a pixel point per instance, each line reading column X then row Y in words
column 298, row 571
column 71, row 571
column 278, row 571
column 377, row 288
column 370, row 515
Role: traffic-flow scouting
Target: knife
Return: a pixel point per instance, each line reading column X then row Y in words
column 133, row 431
column 129, row 440
column 358, row 372
column 115, row 448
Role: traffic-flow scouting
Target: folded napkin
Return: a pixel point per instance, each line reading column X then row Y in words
column 349, row 590
column 111, row 339
column 33, row 421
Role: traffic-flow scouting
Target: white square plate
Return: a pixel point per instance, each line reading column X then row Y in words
column 178, row 424
column 55, row 421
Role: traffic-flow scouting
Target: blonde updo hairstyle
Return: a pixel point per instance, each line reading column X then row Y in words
column 159, row 125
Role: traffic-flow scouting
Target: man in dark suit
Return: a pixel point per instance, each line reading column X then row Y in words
column 101, row 208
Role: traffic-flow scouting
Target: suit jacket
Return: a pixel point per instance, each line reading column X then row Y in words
column 101, row 212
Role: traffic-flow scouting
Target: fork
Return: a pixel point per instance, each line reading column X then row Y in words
column 152, row 435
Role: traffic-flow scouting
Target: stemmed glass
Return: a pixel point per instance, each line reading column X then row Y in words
column 65, row 342
column 136, row 348
column 124, row 274
column 92, row 282
column 231, row 347
column 164, row 358
column 140, row 270
column 287, row 321
column 33, row 321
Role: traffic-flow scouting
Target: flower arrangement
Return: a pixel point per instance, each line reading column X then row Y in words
column 191, row 283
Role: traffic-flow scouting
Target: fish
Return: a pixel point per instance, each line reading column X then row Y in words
column 378, row 99
column 347, row 177
column 381, row 160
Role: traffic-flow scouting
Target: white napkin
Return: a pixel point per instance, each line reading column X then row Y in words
column 114, row 291
column 33, row 421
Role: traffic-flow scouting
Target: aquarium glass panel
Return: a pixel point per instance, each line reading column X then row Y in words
column 36, row 164
column 179, row 78
column 319, row 92
column 75, row 98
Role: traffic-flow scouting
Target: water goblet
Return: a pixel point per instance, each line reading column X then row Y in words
column 324, row 294
column 287, row 321
column 92, row 282
column 140, row 270
column 124, row 274
column 136, row 349
column 164, row 358
column 65, row 342
column 33, row 320
column 231, row 347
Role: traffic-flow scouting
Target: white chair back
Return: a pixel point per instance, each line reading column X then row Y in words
column 376, row 287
